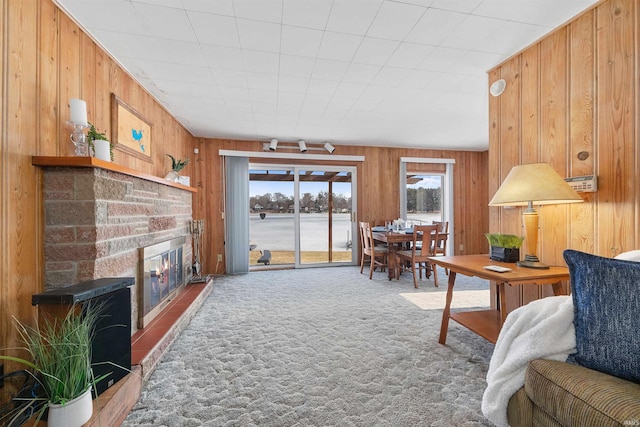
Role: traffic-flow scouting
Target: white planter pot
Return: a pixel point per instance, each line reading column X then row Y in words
column 172, row 176
column 74, row 413
column 102, row 149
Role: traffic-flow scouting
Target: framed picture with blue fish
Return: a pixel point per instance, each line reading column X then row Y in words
column 131, row 130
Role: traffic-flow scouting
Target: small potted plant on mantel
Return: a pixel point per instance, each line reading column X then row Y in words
column 176, row 166
column 99, row 145
column 60, row 363
column 504, row 247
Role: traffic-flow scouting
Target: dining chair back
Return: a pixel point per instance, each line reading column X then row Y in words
column 417, row 258
column 440, row 247
column 377, row 254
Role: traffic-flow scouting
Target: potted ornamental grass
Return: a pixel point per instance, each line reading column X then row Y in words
column 60, row 363
column 504, row 247
column 176, row 166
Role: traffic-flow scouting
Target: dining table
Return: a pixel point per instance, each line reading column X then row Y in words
column 395, row 240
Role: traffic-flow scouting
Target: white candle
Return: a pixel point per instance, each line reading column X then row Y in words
column 78, row 111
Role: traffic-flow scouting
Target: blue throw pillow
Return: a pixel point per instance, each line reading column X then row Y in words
column 606, row 298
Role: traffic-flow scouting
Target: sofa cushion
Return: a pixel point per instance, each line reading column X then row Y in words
column 606, row 297
column 572, row 395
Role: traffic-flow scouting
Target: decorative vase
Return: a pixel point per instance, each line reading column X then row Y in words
column 74, row 413
column 172, row 176
column 102, row 149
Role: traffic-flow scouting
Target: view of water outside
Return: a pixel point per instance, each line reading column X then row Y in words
column 275, row 231
column 272, row 218
column 272, row 221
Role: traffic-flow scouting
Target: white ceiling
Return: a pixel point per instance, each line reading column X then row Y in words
column 404, row 73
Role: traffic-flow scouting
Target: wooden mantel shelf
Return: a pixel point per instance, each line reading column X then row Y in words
column 92, row 162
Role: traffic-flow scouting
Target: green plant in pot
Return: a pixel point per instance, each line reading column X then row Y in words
column 99, row 149
column 176, row 166
column 504, row 247
column 60, row 362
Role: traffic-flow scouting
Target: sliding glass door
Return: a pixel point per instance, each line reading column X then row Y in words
column 301, row 215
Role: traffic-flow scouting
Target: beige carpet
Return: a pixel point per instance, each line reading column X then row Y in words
column 321, row 347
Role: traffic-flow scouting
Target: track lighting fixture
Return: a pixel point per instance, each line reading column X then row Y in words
column 302, row 145
column 330, row 148
column 273, row 145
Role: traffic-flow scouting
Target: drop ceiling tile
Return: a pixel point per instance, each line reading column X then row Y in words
column 261, row 62
column 464, row 6
column 262, row 36
column 223, row 58
column 119, row 17
column 296, row 66
column 361, row 73
column 156, row 70
column 375, row 51
column 322, row 87
column 390, row 76
column 353, row 17
column 172, row 87
column 215, row 29
column 262, row 81
column 340, row 47
column 235, row 94
column 300, row 41
column 290, row 98
column 219, row 7
column 166, row 22
column 329, row 70
column 349, row 90
column 154, row 49
column 510, row 37
column 263, row 96
column 474, row 62
column 289, row 111
column 395, row 20
column 293, row 84
column 536, row 12
column 470, row 31
column 230, row 78
column 307, row 13
column 435, row 26
column 409, row 55
column 259, row 10
column 442, row 59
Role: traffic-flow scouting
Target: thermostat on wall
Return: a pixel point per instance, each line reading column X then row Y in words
column 583, row 184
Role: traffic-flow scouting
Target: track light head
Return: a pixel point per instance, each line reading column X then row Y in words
column 303, row 146
column 330, row 148
column 273, row 145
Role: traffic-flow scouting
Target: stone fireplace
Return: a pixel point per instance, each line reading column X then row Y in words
column 97, row 217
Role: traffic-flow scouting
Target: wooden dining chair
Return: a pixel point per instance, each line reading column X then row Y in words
column 424, row 237
column 440, row 246
column 377, row 254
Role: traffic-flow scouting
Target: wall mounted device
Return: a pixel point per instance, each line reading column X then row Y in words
column 583, row 184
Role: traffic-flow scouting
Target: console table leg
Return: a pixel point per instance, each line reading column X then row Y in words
column 447, row 308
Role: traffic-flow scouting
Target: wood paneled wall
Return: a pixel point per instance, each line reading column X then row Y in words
column 46, row 60
column 575, row 91
column 378, row 197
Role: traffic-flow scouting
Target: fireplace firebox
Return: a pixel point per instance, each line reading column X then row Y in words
column 163, row 272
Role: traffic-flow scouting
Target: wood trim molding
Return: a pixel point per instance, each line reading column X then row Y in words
column 92, row 162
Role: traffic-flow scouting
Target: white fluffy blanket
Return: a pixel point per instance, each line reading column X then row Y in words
column 542, row 329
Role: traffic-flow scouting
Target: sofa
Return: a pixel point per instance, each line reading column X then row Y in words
column 563, row 394
column 599, row 384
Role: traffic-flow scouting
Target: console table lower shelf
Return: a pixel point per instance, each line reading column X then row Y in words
column 487, row 323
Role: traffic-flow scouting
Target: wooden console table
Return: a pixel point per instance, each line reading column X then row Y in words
column 487, row 323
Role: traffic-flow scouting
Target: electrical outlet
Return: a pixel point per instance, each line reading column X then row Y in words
column 220, row 257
